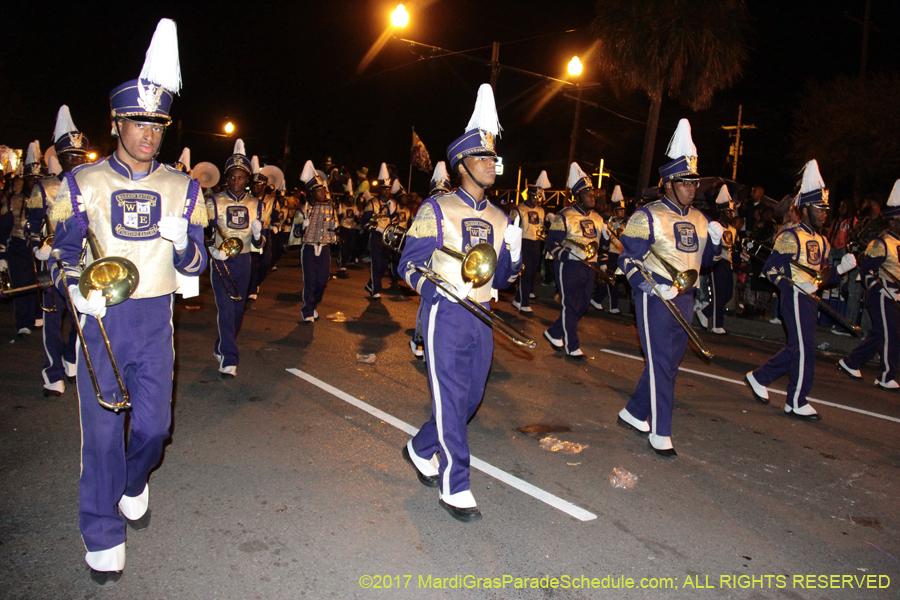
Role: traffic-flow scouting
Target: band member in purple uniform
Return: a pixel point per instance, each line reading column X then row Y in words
column 318, row 235
column 799, row 250
column 683, row 237
column 533, row 219
column 721, row 276
column 378, row 214
column 458, row 346
column 148, row 213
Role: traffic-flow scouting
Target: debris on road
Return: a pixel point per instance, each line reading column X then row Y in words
column 553, row 444
column 620, row 478
column 365, row 358
column 339, row 317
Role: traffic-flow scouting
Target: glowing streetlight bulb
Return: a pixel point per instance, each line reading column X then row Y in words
column 399, row 18
column 575, row 66
column 92, row 156
column 229, row 127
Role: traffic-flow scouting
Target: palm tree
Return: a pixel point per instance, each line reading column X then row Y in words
column 682, row 48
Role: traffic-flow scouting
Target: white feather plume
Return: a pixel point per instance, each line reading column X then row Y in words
column 542, row 181
column 894, row 198
column 161, row 65
column 575, row 174
column 281, row 187
column 681, row 143
column 239, row 147
column 64, row 123
column 309, row 171
column 724, row 196
column 254, row 165
column 395, row 187
column 383, row 174
column 185, row 158
column 34, row 153
column 53, row 165
column 617, row 194
column 349, row 186
column 485, row 114
column 366, row 195
column 440, row 172
column 812, row 180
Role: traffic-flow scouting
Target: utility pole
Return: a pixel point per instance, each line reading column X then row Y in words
column 574, row 128
column 495, row 66
column 736, row 148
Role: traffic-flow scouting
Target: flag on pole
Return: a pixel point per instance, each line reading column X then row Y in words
column 419, row 156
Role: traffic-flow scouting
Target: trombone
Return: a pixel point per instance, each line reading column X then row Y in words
column 478, row 266
column 589, row 251
column 393, row 237
column 115, row 278
column 6, row 289
column 231, row 247
column 682, row 282
column 819, row 277
column 38, row 273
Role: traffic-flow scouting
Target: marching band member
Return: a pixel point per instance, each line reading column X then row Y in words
column 402, row 218
column 148, row 213
column 234, row 214
column 16, row 244
column 440, row 185
column 318, row 235
column 71, row 151
column 533, row 219
column 458, row 346
column 800, row 244
column 614, row 225
column 378, row 214
column 348, row 219
column 573, row 229
column 722, row 274
column 684, row 238
column 880, row 271
column 261, row 258
column 183, row 163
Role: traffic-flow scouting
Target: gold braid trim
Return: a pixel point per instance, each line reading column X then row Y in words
column 638, row 226
column 36, row 199
column 425, row 223
column 558, row 224
column 62, row 209
column 876, row 249
column 786, row 243
column 200, row 215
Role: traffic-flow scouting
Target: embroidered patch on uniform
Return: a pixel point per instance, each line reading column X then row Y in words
column 686, row 237
column 348, row 213
column 476, row 231
column 135, row 214
column 237, row 217
column 727, row 238
column 588, row 229
column 813, row 252
column 534, row 218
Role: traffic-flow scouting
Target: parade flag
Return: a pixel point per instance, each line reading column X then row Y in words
column 420, row 156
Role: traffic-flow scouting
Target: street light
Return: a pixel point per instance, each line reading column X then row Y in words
column 229, row 127
column 575, row 66
column 92, row 156
column 399, row 18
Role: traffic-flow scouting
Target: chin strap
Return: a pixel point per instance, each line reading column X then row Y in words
column 155, row 154
column 481, row 185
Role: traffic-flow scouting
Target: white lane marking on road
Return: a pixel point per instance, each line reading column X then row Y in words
column 476, row 463
column 782, row 392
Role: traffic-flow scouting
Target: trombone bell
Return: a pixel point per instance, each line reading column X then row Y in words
column 115, row 277
column 479, row 264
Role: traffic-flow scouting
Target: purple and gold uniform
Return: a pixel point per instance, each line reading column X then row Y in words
column 532, row 220
column 16, row 249
column 318, row 235
column 382, row 212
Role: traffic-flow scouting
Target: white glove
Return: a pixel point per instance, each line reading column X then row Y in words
column 666, row 291
column 888, row 294
column 513, row 238
column 461, row 291
column 603, row 268
column 214, row 252
column 848, row 263
column 175, row 230
column 605, row 232
column 3, row 265
column 809, row 287
column 94, row 304
column 715, row 231
column 256, row 228
column 42, row 253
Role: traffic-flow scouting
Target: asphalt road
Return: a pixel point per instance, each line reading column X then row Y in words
column 273, row 487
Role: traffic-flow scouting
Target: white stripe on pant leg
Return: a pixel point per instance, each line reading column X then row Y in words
column 436, row 389
column 47, row 352
column 799, row 382
column 712, row 277
column 303, row 293
column 218, row 346
column 884, row 332
column 650, row 367
column 562, row 301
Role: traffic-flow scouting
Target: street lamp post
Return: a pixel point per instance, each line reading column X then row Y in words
column 575, row 68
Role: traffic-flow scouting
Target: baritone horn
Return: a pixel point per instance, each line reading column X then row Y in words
column 275, row 175
column 393, row 237
column 477, row 267
column 590, row 251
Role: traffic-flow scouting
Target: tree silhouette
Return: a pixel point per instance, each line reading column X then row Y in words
column 681, row 48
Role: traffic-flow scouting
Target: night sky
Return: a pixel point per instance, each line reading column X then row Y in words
column 266, row 65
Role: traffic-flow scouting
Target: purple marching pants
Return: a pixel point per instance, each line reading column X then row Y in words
column 56, row 349
column 575, row 282
column 882, row 338
column 230, row 312
column 316, row 271
column 531, row 262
